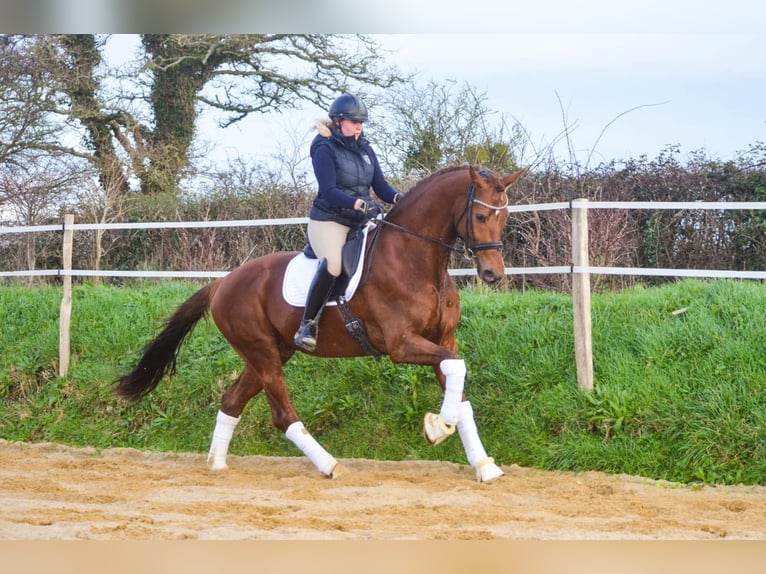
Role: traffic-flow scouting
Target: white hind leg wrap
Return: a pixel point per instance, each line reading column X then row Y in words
column 486, row 469
column 308, row 445
column 454, row 371
column 219, row 447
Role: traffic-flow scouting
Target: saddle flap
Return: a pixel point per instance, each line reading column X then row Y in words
column 352, row 250
column 301, row 269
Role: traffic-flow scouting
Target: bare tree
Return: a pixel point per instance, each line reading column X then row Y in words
column 99, row 204
column 26, row 98
column 150, row 125
column 32, row 194
column 429, row 127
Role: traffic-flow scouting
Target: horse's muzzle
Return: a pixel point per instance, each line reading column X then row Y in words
column 488, row 276
column 490, row 269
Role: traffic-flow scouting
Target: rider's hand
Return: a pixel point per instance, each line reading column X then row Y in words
column 369, row 209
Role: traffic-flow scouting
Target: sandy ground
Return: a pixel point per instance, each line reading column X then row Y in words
column 52, row 492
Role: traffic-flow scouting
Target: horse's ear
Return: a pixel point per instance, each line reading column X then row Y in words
column 511, row 178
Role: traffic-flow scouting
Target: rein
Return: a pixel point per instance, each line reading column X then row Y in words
column 419, row 235
column 468, row 251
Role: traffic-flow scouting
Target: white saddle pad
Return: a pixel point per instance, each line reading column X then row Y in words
column 300, row 271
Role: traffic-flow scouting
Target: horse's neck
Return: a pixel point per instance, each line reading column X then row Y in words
column 430, row 212
column 429, row 217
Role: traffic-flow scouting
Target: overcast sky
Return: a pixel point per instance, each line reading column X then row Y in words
column 619, row 96
column 694, row 70
column 697, row 90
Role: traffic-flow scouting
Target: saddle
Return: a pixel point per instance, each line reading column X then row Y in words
column 350, row 258
column 300, row 270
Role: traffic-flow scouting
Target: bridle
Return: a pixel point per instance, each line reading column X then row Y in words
column 468, row 250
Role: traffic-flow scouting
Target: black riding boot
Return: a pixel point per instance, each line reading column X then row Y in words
column 319, row 293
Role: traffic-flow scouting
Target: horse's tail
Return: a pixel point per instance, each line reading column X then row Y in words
column 159, row 356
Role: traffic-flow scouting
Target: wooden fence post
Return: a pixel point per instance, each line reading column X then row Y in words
column 65, row 317
column 581, row 298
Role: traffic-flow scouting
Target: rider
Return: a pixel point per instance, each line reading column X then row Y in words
column 345, row 168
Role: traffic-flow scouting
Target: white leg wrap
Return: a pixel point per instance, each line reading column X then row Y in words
column 219, row 447
column 469, row 434
column 454, row 371
column 486, row 469
column 301, row 438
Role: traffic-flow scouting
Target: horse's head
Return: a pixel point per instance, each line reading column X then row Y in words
column 485, row 215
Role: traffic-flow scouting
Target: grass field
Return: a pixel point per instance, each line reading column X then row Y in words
column 678, row 396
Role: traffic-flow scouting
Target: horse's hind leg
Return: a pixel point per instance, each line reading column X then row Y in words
column 232, row 404
column 286, row 419
column 268, row 376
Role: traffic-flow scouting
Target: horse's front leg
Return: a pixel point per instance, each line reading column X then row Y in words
column 451, row 376
column 486, row 469
column 456, row 411
column 436, row 428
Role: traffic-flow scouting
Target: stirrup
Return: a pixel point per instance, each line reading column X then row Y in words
column 306, row 336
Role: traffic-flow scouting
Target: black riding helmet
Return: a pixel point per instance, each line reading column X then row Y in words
column 348, row 107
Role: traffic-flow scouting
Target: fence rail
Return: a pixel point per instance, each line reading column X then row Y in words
column 579, row 268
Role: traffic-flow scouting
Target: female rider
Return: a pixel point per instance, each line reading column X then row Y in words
column 345, row 168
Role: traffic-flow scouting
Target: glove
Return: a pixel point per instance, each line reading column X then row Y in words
column 370, row 209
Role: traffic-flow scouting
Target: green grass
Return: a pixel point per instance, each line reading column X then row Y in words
column 678, row 396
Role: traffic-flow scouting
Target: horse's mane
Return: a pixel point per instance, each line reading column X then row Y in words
column 424, row 183
column 443, row 171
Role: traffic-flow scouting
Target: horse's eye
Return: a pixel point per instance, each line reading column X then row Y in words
column 481, row 218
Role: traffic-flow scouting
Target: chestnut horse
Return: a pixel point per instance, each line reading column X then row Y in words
column 407, row 302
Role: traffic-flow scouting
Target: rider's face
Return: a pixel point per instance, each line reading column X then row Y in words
column 350, row 128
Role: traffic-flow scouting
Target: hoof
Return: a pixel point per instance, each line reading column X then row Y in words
column 337, row 471
column 216, row 465
column 487, row 471
column 435, row 430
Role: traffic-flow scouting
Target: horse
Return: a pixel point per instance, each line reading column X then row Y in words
column 407, row 303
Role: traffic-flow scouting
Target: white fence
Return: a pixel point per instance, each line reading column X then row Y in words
column 580, row 267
